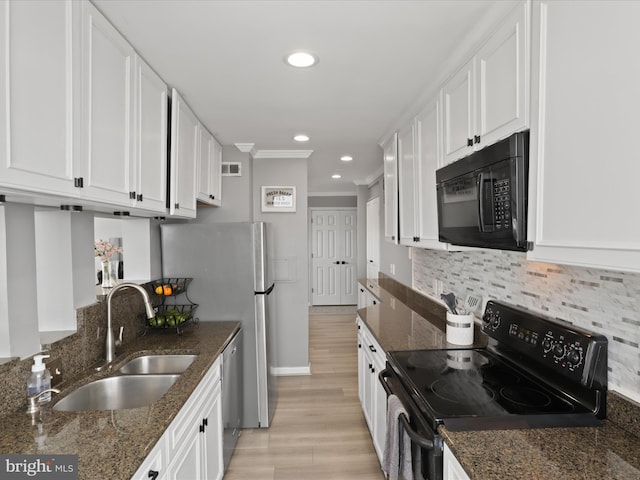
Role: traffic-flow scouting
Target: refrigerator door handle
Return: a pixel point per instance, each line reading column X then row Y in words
column 267, row 291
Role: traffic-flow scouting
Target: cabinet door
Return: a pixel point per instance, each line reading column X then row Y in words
column 213, row 465
column 204, row 163
column 458, row 114
column 390, row 166
column 108, row 111
column 428, row 147
column 183, row 163
column 502, row 84
column 150, row 139
column 39, row 67
column 373, row 237
column 380, row 407
column 215, row 175
column 153, row 463
column 452, row 470
column 583, row 191
column 407, row 198
column 187, row 462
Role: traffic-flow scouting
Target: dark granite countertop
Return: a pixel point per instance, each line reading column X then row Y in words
column 594, row 453
column 113, row 444
column 396, row 326
column 611, row 451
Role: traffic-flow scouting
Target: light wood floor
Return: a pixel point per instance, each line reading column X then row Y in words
column 318, row 431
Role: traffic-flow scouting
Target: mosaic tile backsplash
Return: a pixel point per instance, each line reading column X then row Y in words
column 604, row 302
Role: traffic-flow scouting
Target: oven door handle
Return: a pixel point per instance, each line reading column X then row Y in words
column 423, row 442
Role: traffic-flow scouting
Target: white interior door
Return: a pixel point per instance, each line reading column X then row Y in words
column 373, row 237
column 333, row 263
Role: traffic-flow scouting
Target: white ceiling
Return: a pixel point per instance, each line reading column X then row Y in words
column 226, row 58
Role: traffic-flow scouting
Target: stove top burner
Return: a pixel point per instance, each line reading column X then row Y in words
column 526, row 397
column 458, row 392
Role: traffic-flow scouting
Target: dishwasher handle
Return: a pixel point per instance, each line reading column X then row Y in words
column 423, row 442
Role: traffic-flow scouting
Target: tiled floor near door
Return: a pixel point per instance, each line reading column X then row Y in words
column 318, row 431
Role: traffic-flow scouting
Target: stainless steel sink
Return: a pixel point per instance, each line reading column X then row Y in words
column 158, row 364
column 117, row 393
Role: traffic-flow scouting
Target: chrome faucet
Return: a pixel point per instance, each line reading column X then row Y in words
column 111, row 343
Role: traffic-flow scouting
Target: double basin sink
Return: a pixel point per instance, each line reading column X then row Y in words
column 139, row 382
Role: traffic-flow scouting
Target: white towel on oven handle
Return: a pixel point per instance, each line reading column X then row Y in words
column 396, row 461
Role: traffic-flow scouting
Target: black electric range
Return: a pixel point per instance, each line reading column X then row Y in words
column 535, row 372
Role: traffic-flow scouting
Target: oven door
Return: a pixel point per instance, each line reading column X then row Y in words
column 426, row 445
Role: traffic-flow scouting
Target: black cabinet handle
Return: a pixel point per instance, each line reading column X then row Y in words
column 153, row 474
column 476, row 138
column 469, row 142
column 177, row 206
column 372, row 348
column 205, row 422
column 132, row 195
column 370, row 261
column 139, row 197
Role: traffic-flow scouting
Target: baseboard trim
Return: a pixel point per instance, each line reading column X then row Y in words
column 291, row 371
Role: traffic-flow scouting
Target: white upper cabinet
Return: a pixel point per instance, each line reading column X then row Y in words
column 488, row 98
column 502, row 79
column 390, row 158
column 39, row 94
column 429, row 159
column 150, row 173
column 419, row 156
column 185, row 140
column 215, row 174
column 407, row 185
column 107, row 154
column 209, row 165
column 584, row 190
column 459, row 114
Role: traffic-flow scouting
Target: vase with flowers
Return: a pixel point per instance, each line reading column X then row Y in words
column 106, row 251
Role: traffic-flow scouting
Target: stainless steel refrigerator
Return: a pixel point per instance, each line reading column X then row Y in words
column 229, row 264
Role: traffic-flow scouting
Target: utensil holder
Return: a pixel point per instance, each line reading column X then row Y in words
column 460, row 329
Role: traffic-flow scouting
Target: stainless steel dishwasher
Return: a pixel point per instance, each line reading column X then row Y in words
column 232, row 392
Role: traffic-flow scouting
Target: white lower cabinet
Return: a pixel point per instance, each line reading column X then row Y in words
column 365, row 298
column 452, row 470
column 191, row 447
column 373, row 398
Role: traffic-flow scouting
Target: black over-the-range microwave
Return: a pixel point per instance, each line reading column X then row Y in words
column 482, row 198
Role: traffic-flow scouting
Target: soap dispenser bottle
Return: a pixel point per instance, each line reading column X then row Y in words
column 40, row 379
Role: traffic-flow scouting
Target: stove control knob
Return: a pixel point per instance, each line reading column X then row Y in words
column 558, row 351
column 574, row 357
column 546, row 344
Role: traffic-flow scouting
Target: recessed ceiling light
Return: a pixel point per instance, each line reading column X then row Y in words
column 336, row 175
column 346, row 158
column 301, row 138
column 301, row 59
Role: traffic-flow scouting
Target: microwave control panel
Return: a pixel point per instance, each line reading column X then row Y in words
column 502, row 203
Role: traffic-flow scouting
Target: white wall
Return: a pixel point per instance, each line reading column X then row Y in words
column 291, row 253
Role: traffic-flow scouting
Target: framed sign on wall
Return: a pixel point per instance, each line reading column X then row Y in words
column 278, row 199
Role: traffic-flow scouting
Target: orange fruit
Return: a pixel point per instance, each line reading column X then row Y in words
column 167, row 290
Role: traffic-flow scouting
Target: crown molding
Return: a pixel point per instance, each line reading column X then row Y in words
column 303, row 154
column 246, row 147
column 370, row 179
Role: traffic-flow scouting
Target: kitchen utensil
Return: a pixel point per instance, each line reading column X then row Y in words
column 450, row 300
column 472, row 303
